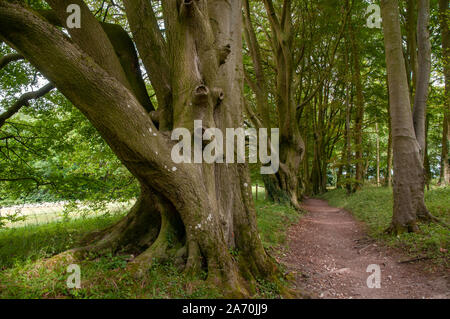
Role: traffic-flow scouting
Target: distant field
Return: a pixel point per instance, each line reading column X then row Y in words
column 43, row 213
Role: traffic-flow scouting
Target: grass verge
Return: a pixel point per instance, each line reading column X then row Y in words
column 373, row 206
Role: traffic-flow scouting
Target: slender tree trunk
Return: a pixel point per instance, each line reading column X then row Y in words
column 422, row 88
column 292, row 147
column 378, row 154
column 423, row 76
column 359, row 114
column 408, row 179
column 389, row 159
column 340, row 171
column 348, row 145
column 275, row 184
column 444, row 178
column 411, row 41
column 445, row 163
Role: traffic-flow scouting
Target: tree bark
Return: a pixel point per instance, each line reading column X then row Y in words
column 348, row 144
column 411, row 42
column 389, row 150
column 423, row 75
column 408, row 169
column 284, row 185
column 260, row 118
column 359, row 114
column 378, row 154
column 444, row 178
column 389, row 159
column 205, row 209
column 24, row 100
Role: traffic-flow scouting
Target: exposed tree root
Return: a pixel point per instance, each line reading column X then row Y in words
column 135, row 232
column 400, row 229
column 428, row 217
column 155, row 233
column 169, row 242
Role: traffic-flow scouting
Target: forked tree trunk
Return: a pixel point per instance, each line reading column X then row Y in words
column 378, row 153
column 285, row 184
column 389, row 162
column 444, row 178
column 192, row 213
column 359, row 114
column 348, row 138
column 408, row 169
column 260, row 118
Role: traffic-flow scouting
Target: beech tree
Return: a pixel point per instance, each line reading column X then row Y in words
column 292, row 148
column 195, row 213
column 295, row 34
column 409, row 203
column 423, row 73
column 445, row 32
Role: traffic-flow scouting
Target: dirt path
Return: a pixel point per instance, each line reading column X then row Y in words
column 330, row 252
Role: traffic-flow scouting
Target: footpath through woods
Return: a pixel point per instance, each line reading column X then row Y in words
column 329, row 251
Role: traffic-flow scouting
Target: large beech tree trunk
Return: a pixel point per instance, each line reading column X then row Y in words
column 408, row 169
column 193, row 213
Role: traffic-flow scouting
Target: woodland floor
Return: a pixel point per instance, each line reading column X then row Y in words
column 329, row 251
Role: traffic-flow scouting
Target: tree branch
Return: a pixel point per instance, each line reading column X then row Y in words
column 6, row 59
column 109, row 105
column 91, row 38
column 24, row 100
column 328, row 70
column 151, row 46
column 126, row 53
column 273, row 17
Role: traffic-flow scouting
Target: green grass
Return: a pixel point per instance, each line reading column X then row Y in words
column 31, row 242
column 273, row 220
column 23, row 249
column 373, row 206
